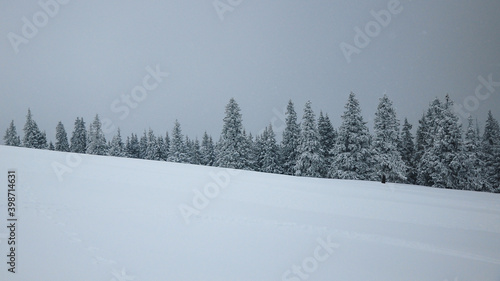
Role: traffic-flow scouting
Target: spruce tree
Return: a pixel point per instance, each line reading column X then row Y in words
column 269, row 158
column 133, row 147
column 153, row 149
column 249, row 152
column 117, row 148
column 97, row 144
column 472, row 177
column 207, row 150
column 490, row 147
column 143, row 145
column 33, row 137
column 61, row 138
column 177, row 151
column 230, row 152
column 51, row 146
column 290, row 141
column 310, row 156
column 388, row 160
column 11, row 138
column 407, row 151
column 431, row 170
column 353, row 157
column 79, row 137
column 327, row 138
column 163, row 151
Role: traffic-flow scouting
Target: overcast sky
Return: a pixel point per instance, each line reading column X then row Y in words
column 86, row 55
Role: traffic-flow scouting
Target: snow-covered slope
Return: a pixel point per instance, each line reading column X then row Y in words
column 84, row 217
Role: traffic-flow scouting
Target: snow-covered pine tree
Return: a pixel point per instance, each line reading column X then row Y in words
column 163, row 151
column 471, row 178
column 61, row 138
column 388, row 160
column 51, row 146
column 290, row 141
column 269, row 158
column 229, row 147
column 440, row 164
column 153, row 150
column 133, row 147
column 452, row 144
column 97, row 141
column 79, row 137
column 431, row 171
column 189, row 148
column 11, row 138
column 143, row 145
column 407, row 151
column 195, row 153
column 177, row 151
column 166, row 147
column 33, row 137
column 249, row 152
column 310, row 156
column 117, row 148
column 353, row 157
column 327, row 139
column 207, row 150
column 490, row 147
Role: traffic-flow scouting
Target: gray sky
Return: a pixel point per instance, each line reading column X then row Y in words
column 87, row 54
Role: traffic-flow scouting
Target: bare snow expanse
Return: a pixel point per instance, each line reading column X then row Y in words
column 105, row 218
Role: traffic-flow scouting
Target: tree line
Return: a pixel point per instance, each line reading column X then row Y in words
column 442, row 154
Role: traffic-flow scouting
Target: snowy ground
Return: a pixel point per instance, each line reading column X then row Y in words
column 103, row 218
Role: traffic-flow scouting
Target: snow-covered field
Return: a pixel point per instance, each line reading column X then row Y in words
column 97, row 218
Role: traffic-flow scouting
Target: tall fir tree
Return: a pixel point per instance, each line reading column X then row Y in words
column 472, row 176
column 249, row 152
column 177, row 151
column 407, row 151
column 269, row 158
column 490, row 147
column 207, row 150
column 62, row 143
column 230, row 152
column 290, row 140
column 327, row 139
column 153, row 148
column 133, row 147
column 51, row 146
column 310, row 156
column 143, row 145
column 117, row 147
column 353, row 155
column 33, row 137
column 440, row 164
column 11, row 138
column 97, row 144
column 79, row 137
column 388, row 160
column 429, row 166
column 163, row 150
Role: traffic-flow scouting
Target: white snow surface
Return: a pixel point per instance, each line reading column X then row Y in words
column 108, row 218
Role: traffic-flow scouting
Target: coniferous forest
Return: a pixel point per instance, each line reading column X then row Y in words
column 443, row 153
